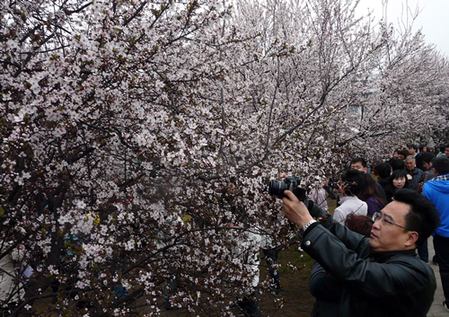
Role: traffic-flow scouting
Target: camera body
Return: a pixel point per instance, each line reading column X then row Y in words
column 333, row 185
column 277, row 188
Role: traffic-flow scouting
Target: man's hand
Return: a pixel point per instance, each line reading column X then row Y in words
column 295, row 210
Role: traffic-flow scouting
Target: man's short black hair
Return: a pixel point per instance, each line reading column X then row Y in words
column 397, row 164
column 442, row 148
column 404, row 153
column 428, row 157
column 441, row 165
column 353, row 181
column 357, row 160
column 422, row 146
column 423, row 216
column 383, row 170
column 413, row 146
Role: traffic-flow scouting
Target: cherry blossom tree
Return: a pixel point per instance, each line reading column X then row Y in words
column 109, row 124
column 345, row 79
column 314, row 85
column 403, row 97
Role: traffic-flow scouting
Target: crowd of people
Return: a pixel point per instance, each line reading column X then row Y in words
column 371, row 253
column 379, row 273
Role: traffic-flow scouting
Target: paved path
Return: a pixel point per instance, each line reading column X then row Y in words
column 437, row 309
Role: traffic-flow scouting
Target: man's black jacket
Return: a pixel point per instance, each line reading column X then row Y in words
column 374, row 284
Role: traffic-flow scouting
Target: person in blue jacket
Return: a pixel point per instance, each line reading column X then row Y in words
column 437, row 190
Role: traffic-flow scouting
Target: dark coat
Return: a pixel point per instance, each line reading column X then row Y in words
column 417, row 177
column 327, row 291
column 373, row 284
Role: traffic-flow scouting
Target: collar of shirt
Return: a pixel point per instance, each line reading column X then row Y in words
column 444, row 177
column 346, row 198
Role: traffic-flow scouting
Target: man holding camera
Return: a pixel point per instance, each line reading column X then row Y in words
column 380, row 275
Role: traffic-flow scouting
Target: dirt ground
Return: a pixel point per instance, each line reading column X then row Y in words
column 295, row 298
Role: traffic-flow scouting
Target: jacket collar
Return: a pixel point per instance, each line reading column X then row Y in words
column 346, row 198
column 382, row 257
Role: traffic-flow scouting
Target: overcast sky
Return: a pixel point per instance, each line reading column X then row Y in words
column 433, row 17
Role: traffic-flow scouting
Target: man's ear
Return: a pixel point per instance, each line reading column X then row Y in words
column 435, row 171
column 411, row 238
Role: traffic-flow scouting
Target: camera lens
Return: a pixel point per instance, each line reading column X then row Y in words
column 277, row 188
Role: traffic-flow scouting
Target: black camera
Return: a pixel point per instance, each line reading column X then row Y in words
column 333, row 185
column 333, row 182
column 277, row 188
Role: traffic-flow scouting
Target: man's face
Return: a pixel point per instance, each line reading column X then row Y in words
column 358, row 166
column 446, row 151
column 424, row 149
column 411, row 151
column 427, row 166
column 410, row 164
column 387, row 236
